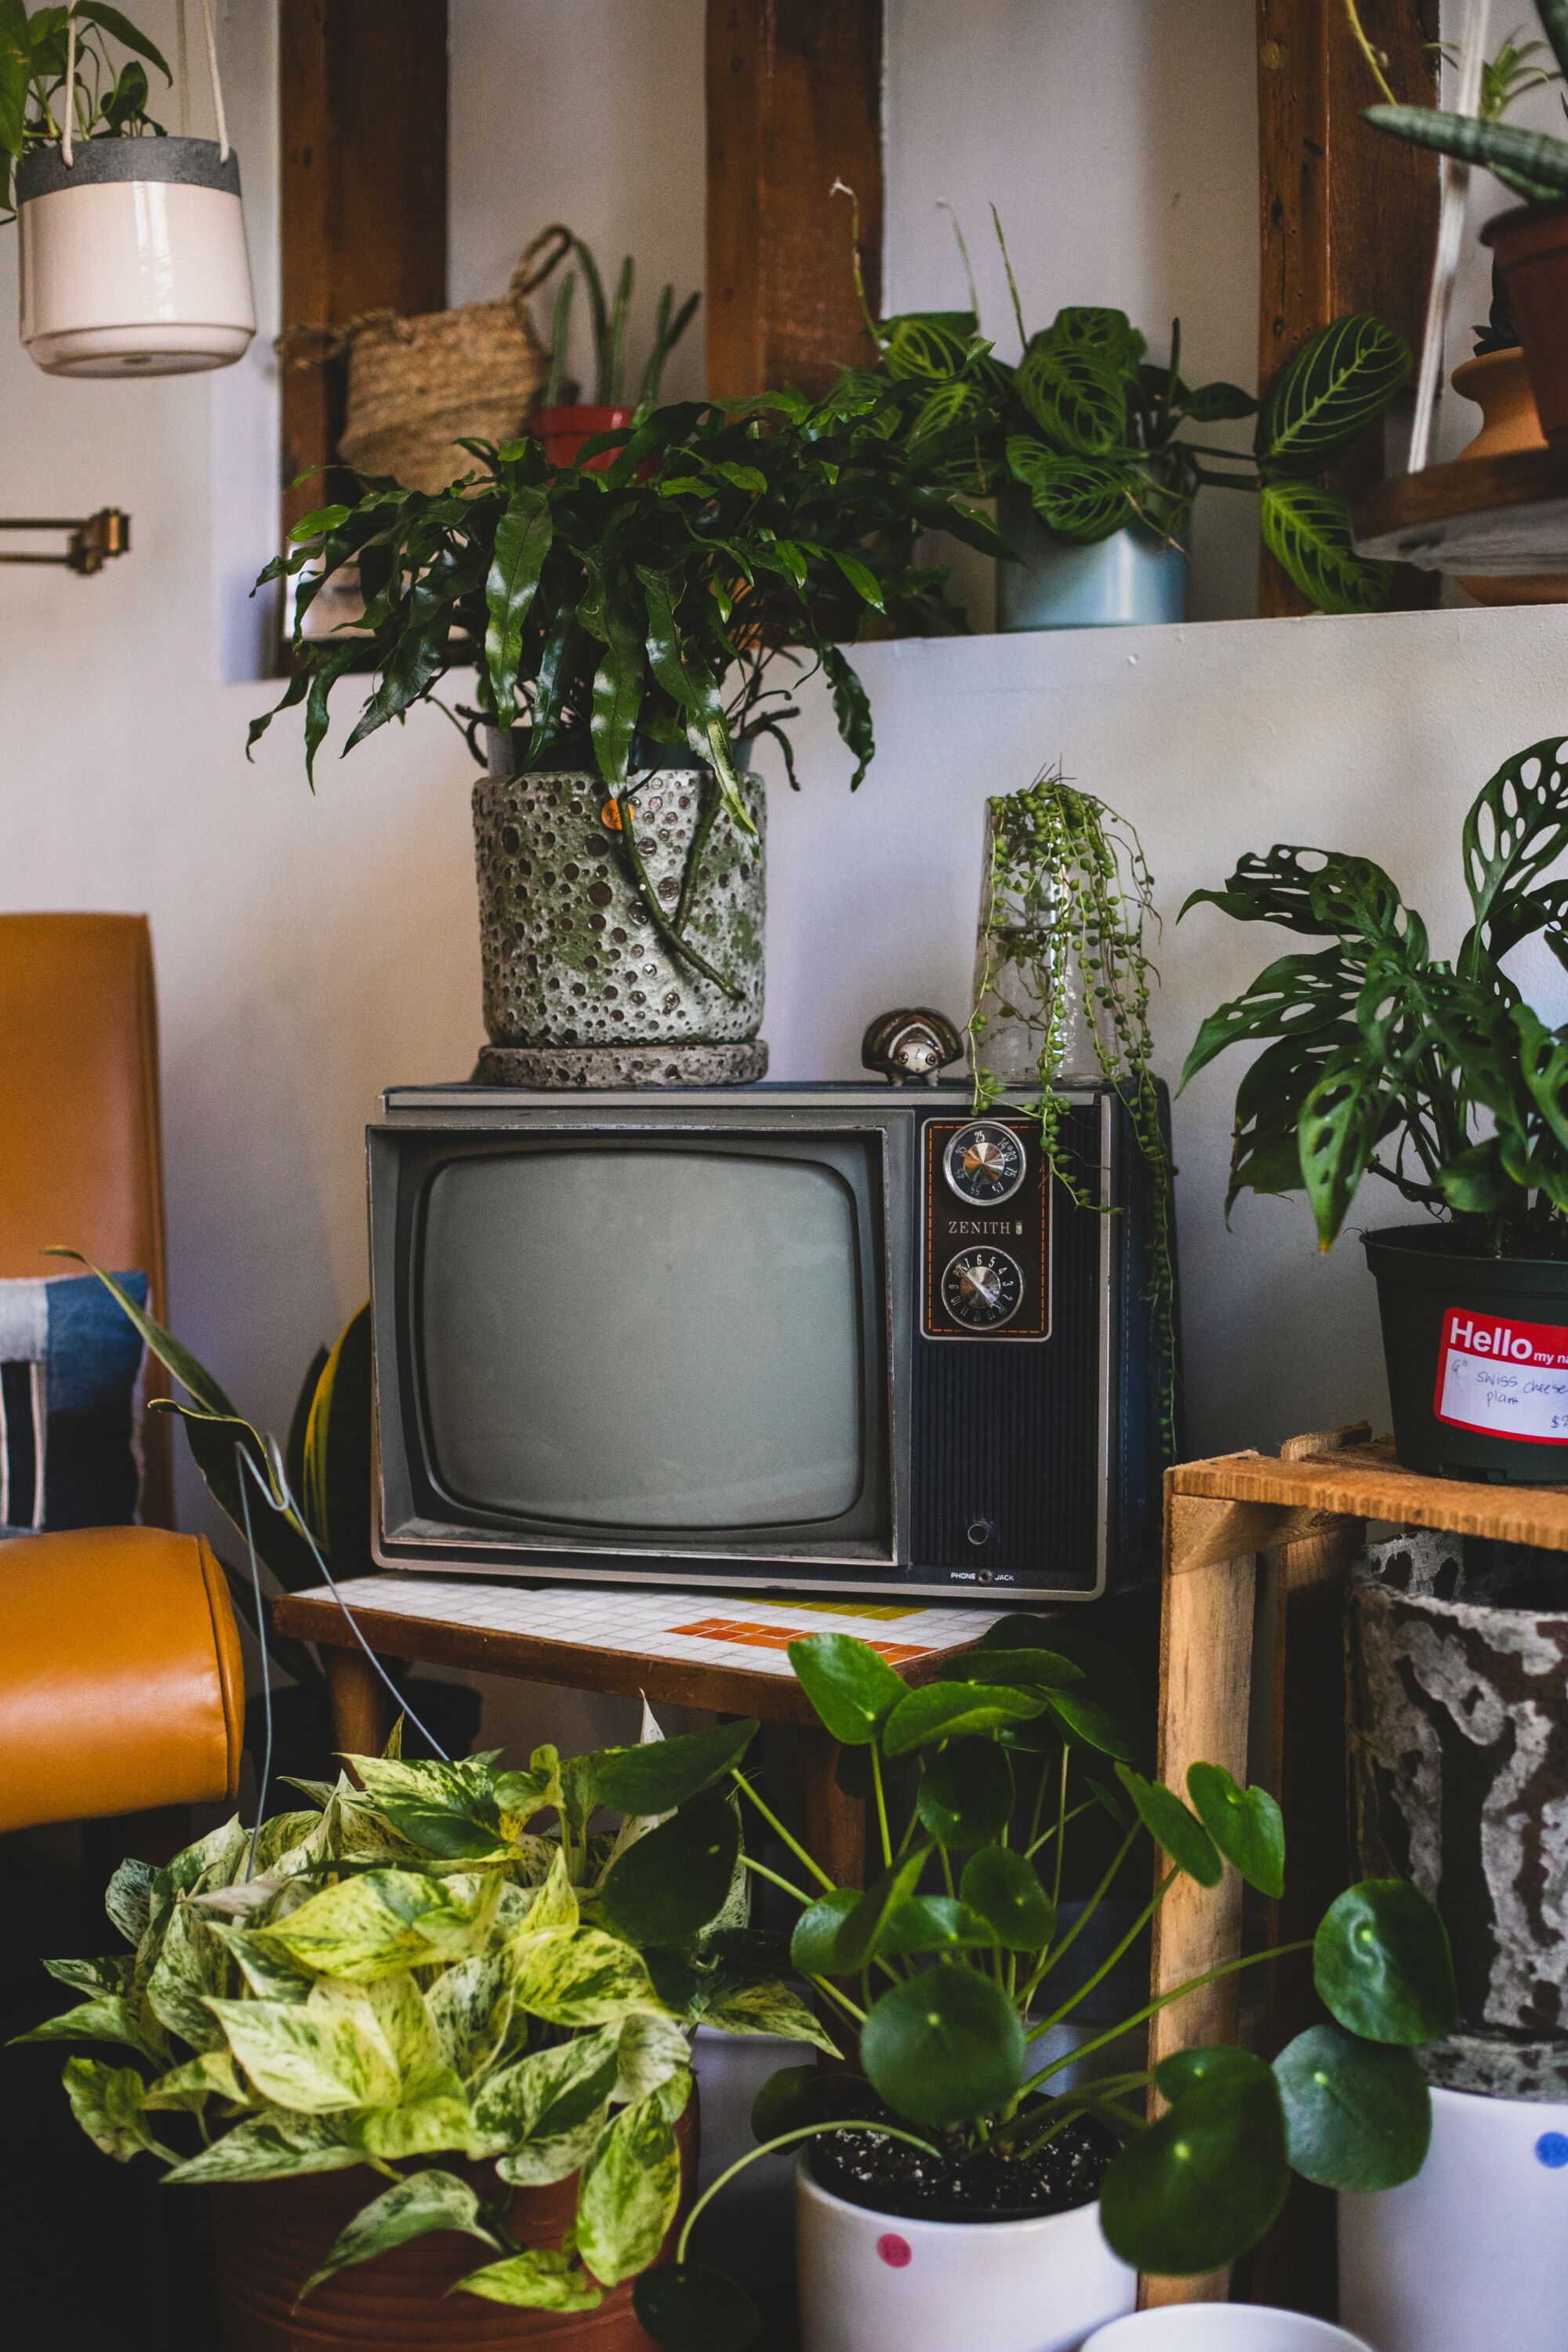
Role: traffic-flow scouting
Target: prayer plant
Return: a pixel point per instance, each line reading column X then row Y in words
column 449, row 1960
column 943, row 1984
column 623, row 616
column 1382, row 1059
column 38, row 93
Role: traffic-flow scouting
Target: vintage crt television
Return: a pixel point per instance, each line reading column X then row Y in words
column 829, row 1339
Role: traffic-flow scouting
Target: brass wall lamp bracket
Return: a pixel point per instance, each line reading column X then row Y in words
column 90, row 543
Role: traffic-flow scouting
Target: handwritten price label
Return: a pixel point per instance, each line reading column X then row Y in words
column 1507, row 1378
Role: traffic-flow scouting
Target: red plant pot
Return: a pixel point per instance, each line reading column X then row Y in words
column 1532, row 247
column 272, row 2235
column 565, row 430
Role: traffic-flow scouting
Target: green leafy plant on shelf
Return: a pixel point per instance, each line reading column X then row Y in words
column 449, row 1960
column 38, row 94
column 1067, row 902
column 1097, row 432
column 1531, row 164
column 608, row 322
column 1383, row 1059
column 941, row 1973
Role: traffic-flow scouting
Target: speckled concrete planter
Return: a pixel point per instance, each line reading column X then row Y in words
column 1459, row 1713
column 580, row 985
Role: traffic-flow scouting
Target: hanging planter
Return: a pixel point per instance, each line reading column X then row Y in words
column 134, row 257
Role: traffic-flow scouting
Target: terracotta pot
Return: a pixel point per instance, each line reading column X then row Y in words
column 1499, row 383
column 565, row 430
column 270, row 2235
column 1531, row 248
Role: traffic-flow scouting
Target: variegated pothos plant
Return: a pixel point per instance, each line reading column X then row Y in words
column 443, row 1961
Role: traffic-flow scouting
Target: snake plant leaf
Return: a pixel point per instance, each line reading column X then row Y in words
column 107, row 2101
column 1382, row 1964
column 1553, row 16
column 1003, row 1888
column 524, row 537
column 1498, row 147
column 312, row 2060
column 1174, row 1829
column 629, row 2191
column 1358, row 2114
column 385, row 1920
column 944, row 2046
column 542, row 2279
column 937, row 1923
column 686, row 2307
column 425, row 2200
column 1245, row 1824
column 1203, row 2184
column 1079, row 499
column 174, row 1357
column 672, row 1881
column 813, row 1943
column 580, row 1976
column 1341, row 379
column 965, row 1795
column 661, row 1775
column 549, row 2091
column 954, row 1711
column 273, row 2146
column 1306, row 530
column 853, row 1690
column 1077, row 396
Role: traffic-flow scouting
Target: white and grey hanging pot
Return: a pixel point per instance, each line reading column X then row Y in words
column 133, row 258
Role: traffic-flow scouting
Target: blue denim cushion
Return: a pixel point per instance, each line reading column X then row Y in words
column 70, row 1362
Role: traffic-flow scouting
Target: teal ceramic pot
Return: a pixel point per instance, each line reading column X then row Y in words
column 1127, row 581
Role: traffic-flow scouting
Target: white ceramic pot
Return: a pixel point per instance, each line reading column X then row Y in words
column 1223, row 2328
column 876, row 2283
column 133, row 258
column 1472, row 2254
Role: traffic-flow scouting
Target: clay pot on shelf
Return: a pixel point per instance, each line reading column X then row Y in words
column 133, row 257
column 1531, row 243
column 564, row 430
column 1499, row 383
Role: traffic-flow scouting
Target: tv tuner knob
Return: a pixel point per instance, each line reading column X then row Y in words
column 986, row 1164
column 982, row 1288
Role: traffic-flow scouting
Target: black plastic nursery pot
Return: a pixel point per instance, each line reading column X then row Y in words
column 1477, row 1349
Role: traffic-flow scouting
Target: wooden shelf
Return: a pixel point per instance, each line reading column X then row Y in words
column 1506, row 517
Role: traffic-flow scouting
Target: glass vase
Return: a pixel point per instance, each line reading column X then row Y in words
column 1034, row 1024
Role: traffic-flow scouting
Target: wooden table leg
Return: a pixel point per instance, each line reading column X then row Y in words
column 835, row 1824
column 362, row 1718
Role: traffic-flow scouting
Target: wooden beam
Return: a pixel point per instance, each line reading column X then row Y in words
column 794, row 102
column 363, row 102
column 1349, row 216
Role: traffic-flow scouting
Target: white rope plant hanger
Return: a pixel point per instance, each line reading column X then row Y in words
column 67, row 135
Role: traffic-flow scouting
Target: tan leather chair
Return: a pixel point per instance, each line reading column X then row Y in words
column 122, row 1688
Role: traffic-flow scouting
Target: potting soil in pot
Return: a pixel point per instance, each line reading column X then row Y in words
column 890, row 2176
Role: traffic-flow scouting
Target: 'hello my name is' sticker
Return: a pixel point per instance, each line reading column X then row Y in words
column 1507, row 1378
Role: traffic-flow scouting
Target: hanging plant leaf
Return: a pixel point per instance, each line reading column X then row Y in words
column 1358, row 2114
column 1341, row 379
column 944, row 2046
column 1306, row 530
column 1382, row 1964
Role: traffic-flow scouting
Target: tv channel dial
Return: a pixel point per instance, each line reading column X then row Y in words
column 984, row 1163
column 982, row 1288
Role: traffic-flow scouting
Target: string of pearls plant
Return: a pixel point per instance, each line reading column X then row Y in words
column 1068, row 898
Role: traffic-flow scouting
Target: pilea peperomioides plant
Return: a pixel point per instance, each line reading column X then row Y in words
column 446, row 1962
column 949, row 1972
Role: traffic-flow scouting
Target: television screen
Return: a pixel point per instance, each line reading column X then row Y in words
column 643, row 1338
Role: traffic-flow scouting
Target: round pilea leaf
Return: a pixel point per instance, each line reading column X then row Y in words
column 1203, row 2183
column 1172, row 1827
column 966, row 1793
column 816, row 1931
column 853, row 1690
column 951, row 1711
column 1245, row 1824
column 674, row 1880
column 1221, row 2063
column 935, row 1923
column 859, row 1934
column 1382, row 1964
column 686, row 2307
column 1020, row 1669
column 797, row 2095
column 1358, row 2114
column 943, row 2046
column 1005, row 1889
column 1090, row 1724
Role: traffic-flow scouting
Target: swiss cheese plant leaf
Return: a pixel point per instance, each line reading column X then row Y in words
column 1341, row 380
column 1245, row 1824
column 674, row 1880
column 1174, row 1829
column 1295, row 996
column 965, row 1795
column 1516, row 831
column 943, row 2046
column 852, row 1688
column 688, row 2308
column 1341, row 1122
column 1266, row 1140
column 1382, row 1964
column 1077, row 396
column 1307, row 530
column 1203, row 2184
column 1498, row 147
column 661, row 1774
column 425, row 2200
column 1358, row 2114
column 1544, row 1063
column 1003, row 1889
column 954, row 1710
